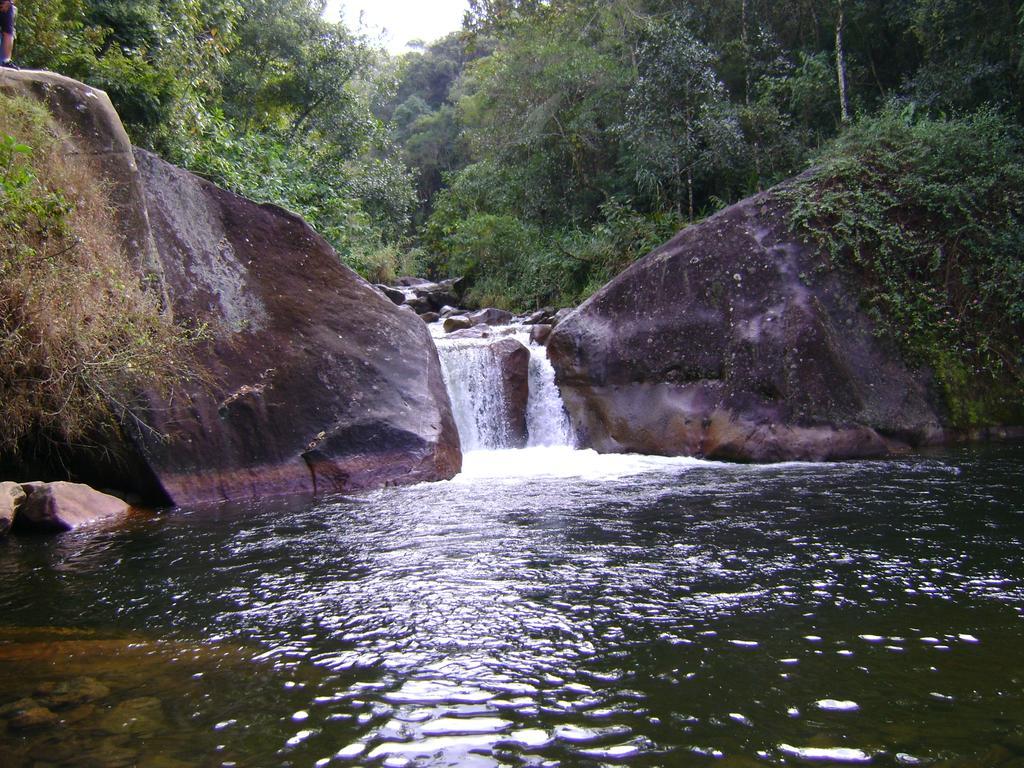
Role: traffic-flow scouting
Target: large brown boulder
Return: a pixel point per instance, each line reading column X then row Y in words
column 317, row 382
column 312, row 380
column 733, row 341
column 62, row 506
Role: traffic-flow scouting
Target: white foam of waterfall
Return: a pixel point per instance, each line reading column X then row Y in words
column 547, row 423
column 559, row 461
column 471, row 373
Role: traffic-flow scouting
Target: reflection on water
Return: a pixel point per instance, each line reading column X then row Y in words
column 546, row 607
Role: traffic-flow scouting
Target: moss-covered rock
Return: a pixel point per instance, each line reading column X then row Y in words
column 736, row 340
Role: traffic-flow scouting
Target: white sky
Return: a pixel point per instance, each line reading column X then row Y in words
column 400, row 20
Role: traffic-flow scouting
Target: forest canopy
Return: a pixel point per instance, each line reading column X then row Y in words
column 547, row 144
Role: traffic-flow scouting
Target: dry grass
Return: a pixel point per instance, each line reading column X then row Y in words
column 79, row 335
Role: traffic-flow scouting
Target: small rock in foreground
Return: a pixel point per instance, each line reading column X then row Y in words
column 11, row 497
column 64, row 506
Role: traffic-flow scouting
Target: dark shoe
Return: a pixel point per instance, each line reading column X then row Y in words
column 9, row 65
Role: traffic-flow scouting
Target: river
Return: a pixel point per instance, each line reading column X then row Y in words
column 546, row 607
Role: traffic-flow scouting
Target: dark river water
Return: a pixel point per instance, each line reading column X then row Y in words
column 546, row 608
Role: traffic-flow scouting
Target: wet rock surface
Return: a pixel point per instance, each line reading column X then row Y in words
column 733, row 341
column 475, row 332
column 12, row 495
column 540, row 333
column 425, row 296
column 490, row 316
column 513, row 362
column 64, row 506
column 457, row 323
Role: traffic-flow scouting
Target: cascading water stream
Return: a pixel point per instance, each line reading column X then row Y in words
column 473, row 376
column 547, row 423
column 470, row 371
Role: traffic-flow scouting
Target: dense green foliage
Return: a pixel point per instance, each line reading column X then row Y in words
column 661, row 111
column 551, row 129
column 549, row 143
column 265, row 98
column 931, row 212
column 78, row 334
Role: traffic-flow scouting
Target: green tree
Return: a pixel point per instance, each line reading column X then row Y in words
column 678, row 122
column 545, row 103
column 971, row 54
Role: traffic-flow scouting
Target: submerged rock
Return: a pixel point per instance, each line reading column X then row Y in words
column 140, row 716
column 732, row 341
column 66, row 693
column 63, row 506
column 10, row 709
column 32, row 718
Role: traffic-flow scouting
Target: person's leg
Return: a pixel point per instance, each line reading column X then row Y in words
column 7, row 14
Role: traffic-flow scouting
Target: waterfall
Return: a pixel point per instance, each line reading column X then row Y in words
column 475, row 388
column 547, row 423
column 470, row 372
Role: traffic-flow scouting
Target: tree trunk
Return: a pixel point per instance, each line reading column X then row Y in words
column 844, row 99
column 745, row 36
column 689, row 189
column 748, row 82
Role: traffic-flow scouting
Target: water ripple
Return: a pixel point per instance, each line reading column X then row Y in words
column 605, row 610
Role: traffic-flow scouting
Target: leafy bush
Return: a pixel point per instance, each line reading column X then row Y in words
column 931, row 213
column 78, row 333
column 620, row 238
column 511, row 263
